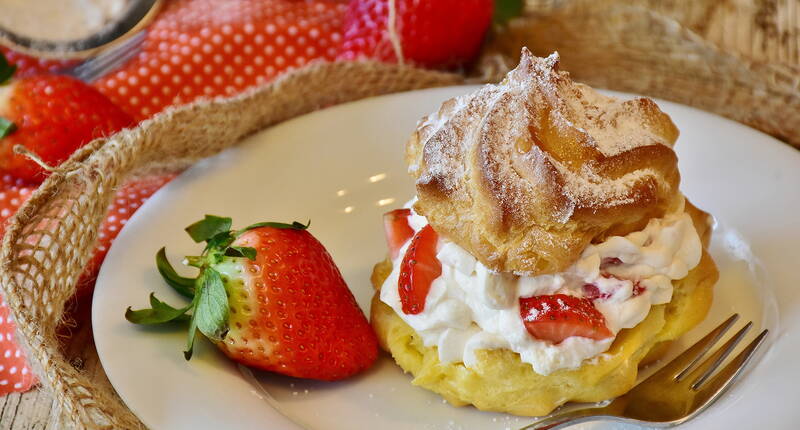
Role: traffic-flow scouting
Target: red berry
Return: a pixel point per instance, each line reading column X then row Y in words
column 395, row 225
column 560, row 316
column 591, row 292
column 29, row 66
column 293, row 313
column 54, row 116
column 419, row 269
column 442, row 33
column 638, row 289
column 609, row 262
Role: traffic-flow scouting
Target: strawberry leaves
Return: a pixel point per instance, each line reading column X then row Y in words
column 159, row 313
column 504, row 10
column 211, row 310
column 241, row 251
column 208, row 227
column 210, row 314
column 209, row 307
column 295, row 225
column 6, row 127
column 6, row 70
column 184, row 286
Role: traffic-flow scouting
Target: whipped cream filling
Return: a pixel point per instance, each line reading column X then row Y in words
column 470, row 307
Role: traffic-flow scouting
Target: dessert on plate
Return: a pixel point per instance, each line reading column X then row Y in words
column 548, row 252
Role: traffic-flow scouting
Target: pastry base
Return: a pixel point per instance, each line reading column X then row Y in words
column 502, row 382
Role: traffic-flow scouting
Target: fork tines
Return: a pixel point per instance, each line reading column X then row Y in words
column 685, row 367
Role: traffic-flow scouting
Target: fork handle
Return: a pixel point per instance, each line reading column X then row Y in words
column 566, row 418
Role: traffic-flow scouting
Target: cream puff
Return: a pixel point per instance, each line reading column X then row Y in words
column 548, row 251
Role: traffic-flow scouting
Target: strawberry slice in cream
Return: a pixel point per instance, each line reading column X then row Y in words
column 469, row 307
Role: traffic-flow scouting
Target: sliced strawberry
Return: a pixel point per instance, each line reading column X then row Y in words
column 557, row 317
column 419, row 269
column 395, row 225
column 610, row 261
column 638, row 289
column 592, row 292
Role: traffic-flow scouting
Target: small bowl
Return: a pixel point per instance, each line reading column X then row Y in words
column 136, row 16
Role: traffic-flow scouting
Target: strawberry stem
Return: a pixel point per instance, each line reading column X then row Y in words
column 195, row 261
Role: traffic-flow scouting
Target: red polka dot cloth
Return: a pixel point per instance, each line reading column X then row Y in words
column 15, row 375
column 207, row 48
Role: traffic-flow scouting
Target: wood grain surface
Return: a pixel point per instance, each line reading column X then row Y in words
column 37, row 409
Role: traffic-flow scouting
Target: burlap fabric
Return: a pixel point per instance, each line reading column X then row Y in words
column 51, row 238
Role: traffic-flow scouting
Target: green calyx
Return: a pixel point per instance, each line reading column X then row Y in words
column 208, row 310
column 6, row 72
column 504, row 10
column 6, row 127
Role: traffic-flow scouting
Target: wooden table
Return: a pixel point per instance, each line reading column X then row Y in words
column 37, row 409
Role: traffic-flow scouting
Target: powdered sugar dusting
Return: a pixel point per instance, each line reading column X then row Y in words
column 536, row 134
column 612, row 125
column 592, row 190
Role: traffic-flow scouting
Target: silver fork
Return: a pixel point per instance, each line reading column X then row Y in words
column 108, row 60
column 676, row 393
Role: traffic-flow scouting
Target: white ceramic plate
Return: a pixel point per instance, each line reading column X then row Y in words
column 343, row 167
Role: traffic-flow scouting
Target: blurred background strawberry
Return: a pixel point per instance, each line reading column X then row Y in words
column 28, row 65
column 51, row 116
column 437, row 34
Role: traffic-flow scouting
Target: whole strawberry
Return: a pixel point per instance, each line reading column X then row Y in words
column 435, row 33
column 51, row 116
column 270, row 297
